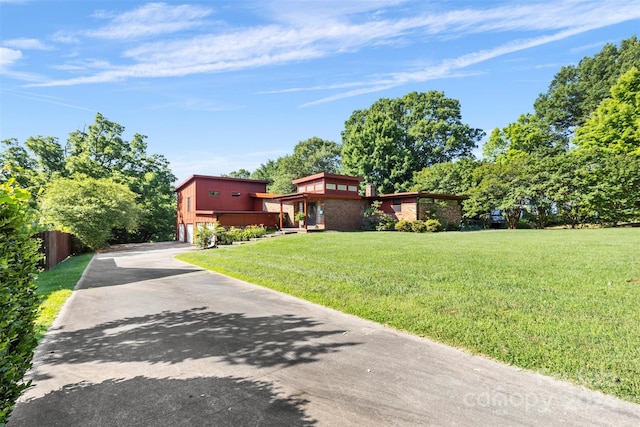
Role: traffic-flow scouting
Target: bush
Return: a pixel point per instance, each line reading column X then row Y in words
column 403, row 225
column 204, row 237
column 254, row 231
column 226, row 236
column 386, row 223
column 433, row 225
column 418, row 226
column 18, row 300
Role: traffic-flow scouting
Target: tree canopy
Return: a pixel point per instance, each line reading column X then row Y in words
column 89, row 208
column 311, row 156
column 100, row 151
column 387, row 143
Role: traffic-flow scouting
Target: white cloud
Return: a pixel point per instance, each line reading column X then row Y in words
column 8, row 57
column 26, row 44
column 315, row 30
column 150, row 20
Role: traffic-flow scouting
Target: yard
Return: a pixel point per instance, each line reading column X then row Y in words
column 563, row 303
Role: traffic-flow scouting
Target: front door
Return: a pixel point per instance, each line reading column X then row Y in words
column 312, row 215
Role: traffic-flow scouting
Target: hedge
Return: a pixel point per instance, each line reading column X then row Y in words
column 18, row 300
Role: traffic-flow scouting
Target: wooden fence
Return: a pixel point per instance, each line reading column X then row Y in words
column 56, row 246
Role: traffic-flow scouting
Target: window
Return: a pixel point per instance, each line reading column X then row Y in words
column 214, row 193
column 235, row 194
column 396, row 205
column 318, row 187
column 353, row 188
column 331, row 186
column 188, row 204
column 309, row 187
column 342, row 187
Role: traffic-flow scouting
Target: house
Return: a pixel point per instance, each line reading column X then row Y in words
column 203, row 200
column 328, row 202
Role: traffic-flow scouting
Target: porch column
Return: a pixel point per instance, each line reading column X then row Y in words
column 281, row 214
column 306, row 210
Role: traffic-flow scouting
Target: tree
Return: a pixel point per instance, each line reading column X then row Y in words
column 576, row 91
column 242, row 173
column 449, row 178
column 394, row 138
column 100, row 152
column 529, row 134
column 500, row 186
column 18, row 300
column 89, row 208
column 311, row 156
column 615, row 125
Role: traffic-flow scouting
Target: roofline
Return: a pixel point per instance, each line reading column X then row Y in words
column 294, row 196
column 223, row 178
column 326, row 175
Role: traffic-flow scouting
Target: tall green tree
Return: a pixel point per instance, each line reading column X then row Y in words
column 449, row 177
column 394, row 138
column 615, row 125
column 311, row 156
column 89, row 208
column 576, row 91
column 100, row 151
column 529, row 134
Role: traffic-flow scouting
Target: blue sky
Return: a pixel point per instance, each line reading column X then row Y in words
column 223, row 85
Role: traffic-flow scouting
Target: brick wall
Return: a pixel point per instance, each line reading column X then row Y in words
column 451, row 212
column 343, row 214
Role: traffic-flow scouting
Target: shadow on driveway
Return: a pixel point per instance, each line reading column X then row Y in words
column 173, row 337
column 143, row 401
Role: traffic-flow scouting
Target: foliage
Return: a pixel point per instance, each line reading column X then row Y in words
column 18, row 299
column 556, row 302
column 403, row 225
column 204, row 237
column 312, row 156
column 89, row 208
column 387, row 143
column 448, row 178
column 100, row 152
column 241, row 173
column 226, row 236
column 576, row 91
column 500, row 186
column 433, row 225
column 375, row 218
column 418, row 226
column 529, row 134
column 615, row 125
column 300, row 216
column 386, row 222
column 55, row 286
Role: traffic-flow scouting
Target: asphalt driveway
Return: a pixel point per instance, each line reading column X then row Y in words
column 147, row 340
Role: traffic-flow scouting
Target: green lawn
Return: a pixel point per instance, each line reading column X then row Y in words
column 55, row 286
column 564, row 303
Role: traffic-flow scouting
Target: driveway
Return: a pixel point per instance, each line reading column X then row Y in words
column 147, row 340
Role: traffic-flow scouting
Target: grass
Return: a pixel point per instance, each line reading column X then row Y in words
column 55, row 286
column 563, row 303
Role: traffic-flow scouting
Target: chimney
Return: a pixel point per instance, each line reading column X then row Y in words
column 370, row 190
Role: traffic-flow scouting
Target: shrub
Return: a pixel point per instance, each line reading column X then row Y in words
column 433, row 225
column 18, row 300
column 254, row 231
column 204, row 237
column 386, row 223
column 524, row 224
column 418, row 226
column 403, row 225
